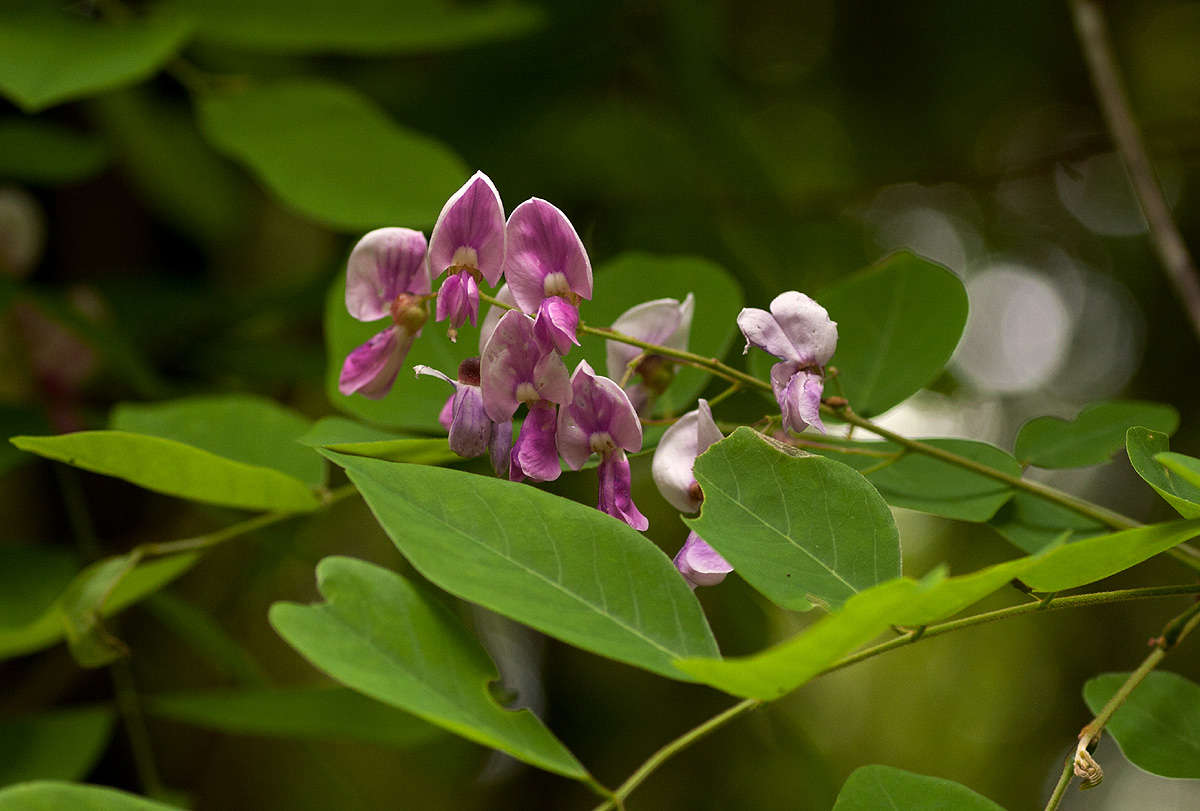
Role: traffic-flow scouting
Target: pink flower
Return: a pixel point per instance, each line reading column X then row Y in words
column 699, row 563
column 472, row 432
column 664, row 321
column 468, row 243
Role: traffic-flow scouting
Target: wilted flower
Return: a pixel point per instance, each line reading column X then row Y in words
column 468, row 243
column 666, row 322
column 385, row 276
column 472, row 432
column 699, row 563
column 800, row 333
column 548, row 270
column 600, row 419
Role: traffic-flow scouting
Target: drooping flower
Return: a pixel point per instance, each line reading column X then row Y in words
column 699, row 563
column 467, row 243
column 516, row 369
column 386, row 275
column 666, row 322
column 600, row 419
column 800, row 333
column 548, row 270
column 472, row 432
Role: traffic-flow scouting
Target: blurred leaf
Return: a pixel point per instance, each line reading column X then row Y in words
column 918, row 482
column 47, row 57
column 176, row 469
column 204, row 635
column 57, row 745
column 48, row 795
column 332, row 154
column 633, row 278
column 31, row 578
column 347, row 436
column 1144, row 446
column 898, row 324
column 358, row 26
column 1093, row 436
column 48, row 627
column 869, row 788
column 1031, row 523
column 242, row 427
column 762, row 512
column 566, row 569
column 81, row 606
column 304, row 713
column 380, row 636
column 39, row 152
column 18, row 420
column 1158, row 726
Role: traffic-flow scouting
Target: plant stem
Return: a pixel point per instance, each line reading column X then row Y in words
column 1064, row 780
column 130, row 707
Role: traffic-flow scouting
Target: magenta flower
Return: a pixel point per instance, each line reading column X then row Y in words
column 548, row 270
column 385, row 275
column 699, row 563
column 664, row 321
column 472, row 432
column 600, row 419
column 467, row 243
column 516, row 369
column 800, row 333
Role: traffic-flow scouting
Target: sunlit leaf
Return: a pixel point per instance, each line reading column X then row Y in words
column 1143, row 447
column 557, row 565
column 57, row 745
column 799, row 528
column 1093, row 436
column 49, row 795
column 1158, row 726
column 346, row 436
column 870, row 788
column 36, row 151
column 380, row 636
column 332, row 154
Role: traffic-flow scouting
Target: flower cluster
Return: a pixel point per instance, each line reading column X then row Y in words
column 569, row 417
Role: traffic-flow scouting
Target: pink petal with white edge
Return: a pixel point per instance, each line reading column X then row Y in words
column 371, row 368
column 470, row 229
column 664, row 321
column 675, row 456
column 807, row 326
column 762, row 330
column 541, row 242
column 555, row 324
column 535, row 453
column 385, row 263
column 699, row 563
column 615, row 498
column 550, row 378
column 504, row 364
column 598, row 406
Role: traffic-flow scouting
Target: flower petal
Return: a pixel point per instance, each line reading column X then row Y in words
column 500, row 447
column 471, row 227
column 699, row 563
column 690, row 436
column 550, row 377
column 458, row 300
column 494, row 314
column 506, row 362
column 807, row 327
column 615, row 498
column 385, row 263
column 555, row 324
column 598, row 406
column 762, row 330
column 371, row 368
column 535, row 453
column 542, row 241
column 470, row 428
column 661, row 321
column 798, row 392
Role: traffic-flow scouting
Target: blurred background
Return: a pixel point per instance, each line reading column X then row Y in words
column 150, row 252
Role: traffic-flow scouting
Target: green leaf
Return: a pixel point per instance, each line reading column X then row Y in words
column 346, row 436
column 378, row 635
column 205, row 636
column 1032, row 524
column 31, row 578
column 80, row 608
column 359, row 26
column 898, row 324
column 244, row 428
column 48, row 795
column 47, row 58
column 1158, row 726
column 36, row 151
column 800, row 529
column 869, row 788
column 16, row 420
column 304, row 713
column 564, row 568
column 58, row 745
column 176, row 469
column 633, row 278
column 1093, row 436
column 332, row 154
column 1144, row 446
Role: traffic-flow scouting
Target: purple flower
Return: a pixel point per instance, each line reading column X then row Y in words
column 472, row 432
column 494, row 314
column 516, row 369
column 800, row 333
column 600, row 419
column 664, row 321
column 385, row 275
column 548, row 270
column 699, row 563
column 468, row 243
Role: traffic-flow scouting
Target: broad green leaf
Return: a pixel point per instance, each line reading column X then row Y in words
column 801, row 529
column 57, row 745
column 176, row 469
column 1093, row 436
column 915, row 481
column 898, row 324
column 1031, row 523
column 564, row 568
column 205, row 636
column 870, row 788
column 50, row 795
column 241, row 427
column 332, row 154
column 633, row 278
column 358, row 26
column 48, row 57
column 378, row 635
column 305, row 713
column 36, row 151
column 1158, row 726
column 346, row 436
column 49, row 627
column 31, row 578
column 1143, row 447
